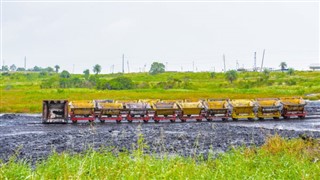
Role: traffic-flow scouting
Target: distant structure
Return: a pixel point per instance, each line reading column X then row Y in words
column 314, row 67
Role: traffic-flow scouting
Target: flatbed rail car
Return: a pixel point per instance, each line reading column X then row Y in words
column 242, row 109
column 216, row 109
column 268, row 108
column 293, row 106
column 82, row 110
column 110, row 111
column 96, row 107
column 137, row 111
column 164, row 111
column 125, row 111
column 190, row 110
column 55, row 111
column 313, row 108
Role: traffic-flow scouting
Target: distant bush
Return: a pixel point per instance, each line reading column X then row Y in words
column 118, row 83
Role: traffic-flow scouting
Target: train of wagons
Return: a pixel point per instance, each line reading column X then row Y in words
column 60, row 111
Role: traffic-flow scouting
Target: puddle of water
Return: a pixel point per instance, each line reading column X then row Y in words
column 23, row 133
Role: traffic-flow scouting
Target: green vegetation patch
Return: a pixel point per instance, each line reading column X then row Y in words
column 276, row 159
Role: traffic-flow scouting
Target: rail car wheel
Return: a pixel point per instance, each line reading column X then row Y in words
column 275, row 117
column 90, row 121
column 145, row 121
column 189, row 115
column 199, row 120
column 301, row 117
column 74, row 121
column 224, row 119
column 183, row 120
column 156, row 121
column 209, row 120
column 261, row 118
column 235, row 119
column 165, row 115
column 118, row 121
column 171, row 120
column 285, row 117
column 102, row 121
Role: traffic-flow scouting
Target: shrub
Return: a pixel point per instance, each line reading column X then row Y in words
column 65, row 74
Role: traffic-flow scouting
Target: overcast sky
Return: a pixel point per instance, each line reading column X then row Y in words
column 175, row 34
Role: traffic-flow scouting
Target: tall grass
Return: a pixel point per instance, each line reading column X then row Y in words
column 276, row 159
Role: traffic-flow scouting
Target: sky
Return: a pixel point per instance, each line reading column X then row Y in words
column 185, row 36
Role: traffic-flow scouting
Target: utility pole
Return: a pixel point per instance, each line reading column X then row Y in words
column 224, row 63
column 262, row 60
column 255, row 62
column 192, row 66
column 237, row 65
column 128, row 66
column 122, row 63
column 25, row 63
column 144, row 67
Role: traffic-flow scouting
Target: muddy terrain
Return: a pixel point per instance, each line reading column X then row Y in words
column 27, row 137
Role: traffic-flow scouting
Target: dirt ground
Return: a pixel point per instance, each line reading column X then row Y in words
column 27, row 137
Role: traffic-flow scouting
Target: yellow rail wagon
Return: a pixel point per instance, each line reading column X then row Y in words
column 268, row 108
column 242, row 108
column 96, row 107
column 110, row 111
column 82, row 110
column 172, row 101
column 55, row 111
column 149, row 102
column 137, row 111
column 190, row 110
column 216, row 108
column 164, row 111
column 293, row 106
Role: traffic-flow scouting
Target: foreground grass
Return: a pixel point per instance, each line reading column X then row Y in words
column 276, row 159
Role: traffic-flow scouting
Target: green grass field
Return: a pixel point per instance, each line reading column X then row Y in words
column 276, row 159
column 22, row 93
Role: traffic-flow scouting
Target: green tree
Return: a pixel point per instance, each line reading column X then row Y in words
column 49, row 69
column 97, row 69
column 283, row 66
column 86, row 74
column 20, row 69
column 13, row 67
column 290, row 71
column 266, row 71
column 231, row 75
column 65, row 74
column 157, row 68
column 5, row 68
column 36, row 68
column 212, row 75
column 57, row 67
